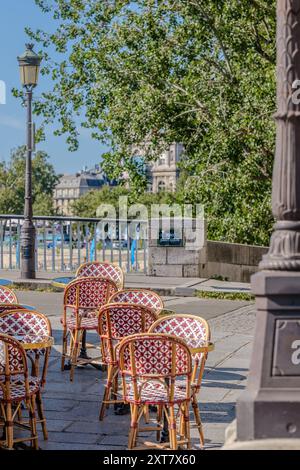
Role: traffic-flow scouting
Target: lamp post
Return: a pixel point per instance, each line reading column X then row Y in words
column 29, row 64
column 270, row 406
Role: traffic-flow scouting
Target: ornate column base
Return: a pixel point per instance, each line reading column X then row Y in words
column 284, row 252
column 270, row 406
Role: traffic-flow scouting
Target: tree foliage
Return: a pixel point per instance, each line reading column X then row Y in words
column 87, row 204
column 12, row 183
column 149, row 72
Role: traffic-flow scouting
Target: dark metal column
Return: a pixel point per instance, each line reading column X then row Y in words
column 270, row 406
column 28, row 229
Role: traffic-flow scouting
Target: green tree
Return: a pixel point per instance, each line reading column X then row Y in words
column 148, row 73
column 88, row 203
column 12, row 183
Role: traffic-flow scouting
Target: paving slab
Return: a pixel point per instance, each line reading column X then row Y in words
column 206, row 308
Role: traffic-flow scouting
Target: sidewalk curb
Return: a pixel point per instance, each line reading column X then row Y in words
column 41, row 284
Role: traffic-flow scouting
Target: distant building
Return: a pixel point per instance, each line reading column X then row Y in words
column 164, row 172
column 71, row 187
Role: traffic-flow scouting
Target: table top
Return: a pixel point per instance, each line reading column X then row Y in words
column 199, row 347
column 6, row 282
column 9, row 306
column 62, row 281
column 35, row 341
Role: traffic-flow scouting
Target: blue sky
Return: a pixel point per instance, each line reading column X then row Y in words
column 14, row 16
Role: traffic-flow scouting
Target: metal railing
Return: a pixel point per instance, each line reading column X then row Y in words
column 63, row 243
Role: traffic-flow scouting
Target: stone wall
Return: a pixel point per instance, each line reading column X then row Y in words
column 232, row 262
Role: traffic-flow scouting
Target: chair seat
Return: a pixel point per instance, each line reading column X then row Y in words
column 182, row 385
column 154, row 393
column 89, row 320
column 86, row 313
column 85, row 324
column 17, row 388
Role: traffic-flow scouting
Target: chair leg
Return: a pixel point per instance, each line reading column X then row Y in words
column 172, row 431
column 198, row 419
column 9, row 426
column 115, row 385
column 181, row 423
column 41, row 415
column 32, row 417
column 64, row 349
column 74, row 354
column 107, row 391
column 19, row 413
column 146, row 414
column 133, row 426
column 159, row 415
column 187, row 427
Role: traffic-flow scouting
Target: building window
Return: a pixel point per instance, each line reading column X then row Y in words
column 162, row 160
column 161, row 186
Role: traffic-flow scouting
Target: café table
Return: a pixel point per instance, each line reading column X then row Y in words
column 35, row 343
column 4, row 307
column 61, row 282
column 6, row 282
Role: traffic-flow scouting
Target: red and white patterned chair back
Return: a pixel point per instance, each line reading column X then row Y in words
column 105, row 270
column 147, row 360
column 24, row 322
column 145, row 297
column 89, row 292
column 12, row 358
column 7, row 296
column 192, row 329
column 152, row 354
column 118, row 320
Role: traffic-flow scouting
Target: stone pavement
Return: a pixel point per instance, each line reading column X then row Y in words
column 72, row 408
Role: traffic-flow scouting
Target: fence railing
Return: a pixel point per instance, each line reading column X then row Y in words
column 63, row 243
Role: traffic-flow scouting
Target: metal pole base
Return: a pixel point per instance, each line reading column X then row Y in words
column 270, row 406
column 28, row 250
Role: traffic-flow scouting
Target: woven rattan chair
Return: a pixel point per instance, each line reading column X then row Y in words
column 145, row 297
column 116, row 321
column 150, row 365
column 7, row 296
column 83, row 298
column 102, row 269
column 28, row 322
column 194, row 331
column 16, row 387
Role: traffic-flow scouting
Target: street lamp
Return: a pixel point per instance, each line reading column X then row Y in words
column 29, row 64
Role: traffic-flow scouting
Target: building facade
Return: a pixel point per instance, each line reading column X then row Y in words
column 71, row 187
column 164, row 172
